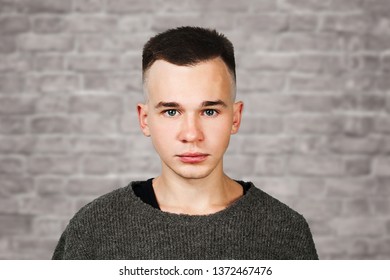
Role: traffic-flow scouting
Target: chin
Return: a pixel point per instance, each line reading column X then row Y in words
column 194, row 174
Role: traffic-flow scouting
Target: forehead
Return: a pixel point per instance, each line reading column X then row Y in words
column 208, row 79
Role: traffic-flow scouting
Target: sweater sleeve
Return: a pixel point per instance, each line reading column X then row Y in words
column 60, row 248
column 307, row 249
column 74, row 243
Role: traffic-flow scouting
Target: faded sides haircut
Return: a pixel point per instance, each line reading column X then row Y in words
column 188, row 46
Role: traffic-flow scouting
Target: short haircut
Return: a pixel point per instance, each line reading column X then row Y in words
column 188, row 46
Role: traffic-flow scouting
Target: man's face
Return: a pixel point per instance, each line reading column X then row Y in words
column 189, row 115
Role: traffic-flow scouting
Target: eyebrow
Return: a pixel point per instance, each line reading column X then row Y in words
column 214, row 103
column 204, row 104
column 167, row 104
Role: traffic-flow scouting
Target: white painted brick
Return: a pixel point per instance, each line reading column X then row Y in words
column 314, row 76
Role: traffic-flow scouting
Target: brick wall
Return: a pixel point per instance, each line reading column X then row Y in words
column 314, row 75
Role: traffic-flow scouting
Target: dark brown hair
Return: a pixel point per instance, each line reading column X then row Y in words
column 188, row 45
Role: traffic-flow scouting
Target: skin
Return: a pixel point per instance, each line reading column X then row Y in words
column 190, row 114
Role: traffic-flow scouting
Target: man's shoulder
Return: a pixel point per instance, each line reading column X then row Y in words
column 272, row 208
column 111, row 203
column 288, row 228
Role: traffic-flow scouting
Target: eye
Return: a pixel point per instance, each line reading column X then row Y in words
column 170, row 112
column 210, row 112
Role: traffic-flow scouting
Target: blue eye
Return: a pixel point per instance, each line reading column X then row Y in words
column 210, row 112
column 171, row 112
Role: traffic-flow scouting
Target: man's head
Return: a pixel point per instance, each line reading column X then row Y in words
column 188, row 46
column 190, row 111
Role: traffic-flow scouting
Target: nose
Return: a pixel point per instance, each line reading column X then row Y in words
column 191, row 130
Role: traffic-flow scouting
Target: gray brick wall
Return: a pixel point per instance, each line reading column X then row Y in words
column 314, row 75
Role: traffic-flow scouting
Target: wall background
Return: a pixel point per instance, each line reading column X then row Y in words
column 314, row 76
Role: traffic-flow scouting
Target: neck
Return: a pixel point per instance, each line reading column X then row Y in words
column 201, row 196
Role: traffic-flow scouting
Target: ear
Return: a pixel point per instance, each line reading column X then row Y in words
column 237, row 114
column 142, row 110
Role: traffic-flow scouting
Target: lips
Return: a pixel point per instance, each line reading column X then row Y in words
column 192, row 157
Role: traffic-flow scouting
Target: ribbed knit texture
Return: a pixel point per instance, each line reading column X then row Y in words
column 119, row 225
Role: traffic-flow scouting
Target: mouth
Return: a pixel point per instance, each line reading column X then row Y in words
column 192, row 157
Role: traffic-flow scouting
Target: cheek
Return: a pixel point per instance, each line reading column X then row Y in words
column 219, row 131
column 160, row 125
column 161, row 144
column 161, row 134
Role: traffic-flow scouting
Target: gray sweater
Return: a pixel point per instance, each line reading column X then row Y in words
column 119, row 225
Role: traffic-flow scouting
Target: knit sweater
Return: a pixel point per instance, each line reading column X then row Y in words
column 119, row 225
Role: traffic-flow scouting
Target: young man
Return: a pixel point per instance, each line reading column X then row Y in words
column 192, row 210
